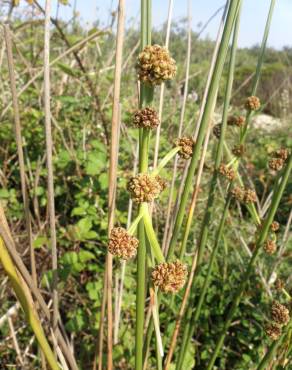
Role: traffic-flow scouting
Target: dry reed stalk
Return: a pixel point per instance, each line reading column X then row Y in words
column 49, row 156
column 19, row 143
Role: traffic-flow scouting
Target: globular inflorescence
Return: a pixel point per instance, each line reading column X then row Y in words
column 270, row 246
column 280, row 316
column 186, row 145
column 252, row 103
column 170, row 277
column 273, row 331
column 227, row 172
column 244, row 195
column 145, row 188
column 155, row 65
column 238, row 150
column 146, row 118
column 236, row 121
column 278, row 159
column 122, row 244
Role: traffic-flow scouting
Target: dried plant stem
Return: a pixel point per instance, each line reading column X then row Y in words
column 262, row 237
column 49, row 150
column 25, row 300
column 18, row 136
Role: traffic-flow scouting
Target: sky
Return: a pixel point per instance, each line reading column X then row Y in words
column 254, row 14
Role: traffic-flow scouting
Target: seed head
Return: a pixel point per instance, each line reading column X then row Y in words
column 229, row 173
column 170, row 277
column 275, row 226
column 144, row 188
column 276, row 164
column 270, row 247
column 236, row 121
column 282, row 153
column 238, row 193
column 162, row 182
column 252, row 103
column 280, row 313
column 273, row 331
column 146, row 118
column 217, row 131
column 250, row 196
column 186, row 144
column 155, row 65
column 238, row 150
column 122, row 244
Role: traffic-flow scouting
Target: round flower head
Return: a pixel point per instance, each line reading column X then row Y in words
column 252, row 103
column 144, row 188
column 162, row 182
column 146, row 118
column 273, row 331
column 276, row 164
column 217, row 131
column 170, row 277
column 280, row 313
column 282, row 153
column 236, row 121
column 275, row 226
column 238, row 150
column 249, row 196
column 238, row 193
column 186, row 144
column 122, row 244
column 229, row 173
column 270, row 247
column 155, row 65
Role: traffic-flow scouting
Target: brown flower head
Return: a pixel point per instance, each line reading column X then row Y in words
column 238, row 193
column 217, row 131
column 144, row 188
column 162, row 182
column 282, row 153
column 252, row 103
column 146, row 118
column 279, row 284
column 122, row 244
column 170, row 277
column 275, row 226
column 229, row 173
column 249, row 196
column 238, row 150
column 186, row 144
column 276, row 164
column 270, row 247
column 155, row 65
column 273, row 331
column 236, row 121
column 280, row 313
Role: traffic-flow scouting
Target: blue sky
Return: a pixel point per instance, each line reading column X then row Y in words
column 254, row 14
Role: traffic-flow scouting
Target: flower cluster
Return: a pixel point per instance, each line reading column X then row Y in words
column 122, row 244
column 280, row 316
column 252, row 103
column 236, row 121
column 280, row 156
column 270, row 246
column 155, row 65
column 186, row 145
column 227, row 172
column 146, row 118
column 170, row 277
column 145, row 188
column 244, row 195
column 238, row 150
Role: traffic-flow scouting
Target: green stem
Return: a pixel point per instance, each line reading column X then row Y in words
column 146, row 96
column 262, row 237
column 151, row 234
column 165, row 160
column 210, row 102
column 188, row 331
column 26, row 304
column 135, row 223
